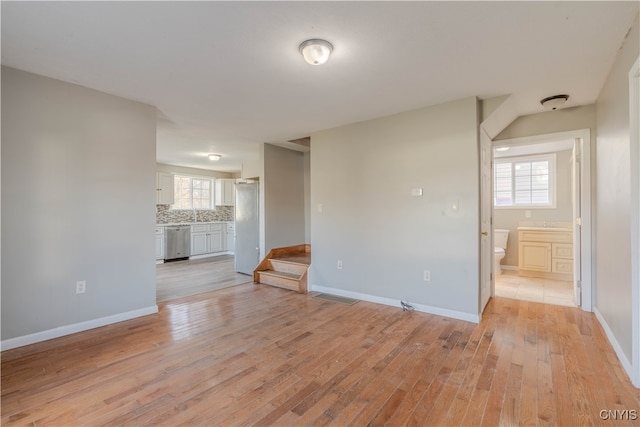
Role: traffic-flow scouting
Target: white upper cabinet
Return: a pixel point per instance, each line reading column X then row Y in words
column 225, row 192
column 164, row 188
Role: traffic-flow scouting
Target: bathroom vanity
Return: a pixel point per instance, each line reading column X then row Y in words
column 545, row 252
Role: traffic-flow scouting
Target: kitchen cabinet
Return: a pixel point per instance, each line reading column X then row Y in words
column 164, row 188
column 231, row 237
column 207, row 238
column 545, row 253
column 159, row 243
column 225, row 192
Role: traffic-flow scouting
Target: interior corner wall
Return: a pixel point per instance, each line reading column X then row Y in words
column 363, row 212
column 583, row 117
column 284, row 206
column 613, row 202
column 307, row 197
column 78, row 203
column 160, row 167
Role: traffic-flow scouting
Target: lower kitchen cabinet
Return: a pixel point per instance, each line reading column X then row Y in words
column 207, row 238
column 159, row 243
column 231, row 237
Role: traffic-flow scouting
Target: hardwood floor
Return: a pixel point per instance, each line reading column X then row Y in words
column 190, row 277
column 259, row 355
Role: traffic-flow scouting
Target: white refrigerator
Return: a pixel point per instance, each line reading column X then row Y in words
column 247, row 254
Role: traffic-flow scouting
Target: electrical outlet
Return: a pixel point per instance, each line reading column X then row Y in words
column 81, row 286
column 339, row 264
column 427, row 276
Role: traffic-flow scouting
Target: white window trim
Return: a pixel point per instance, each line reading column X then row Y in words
column 212, row 188
column 551, row 157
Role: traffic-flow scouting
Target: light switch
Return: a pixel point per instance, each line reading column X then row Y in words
column 416, row 192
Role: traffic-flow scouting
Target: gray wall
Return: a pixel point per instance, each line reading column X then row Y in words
column 583, row 117
column 160, row 167
column 363, row 174
column 284, row 199
column 613, row 190
column 78, row 203
column 307, row 197
column 510, row 218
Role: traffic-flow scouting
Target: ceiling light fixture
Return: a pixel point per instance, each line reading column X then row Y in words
column 215, row 157
column 316, row 51
column 554, row 102
column 502, row 148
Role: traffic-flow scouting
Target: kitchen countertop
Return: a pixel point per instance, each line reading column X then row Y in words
column 174, row 224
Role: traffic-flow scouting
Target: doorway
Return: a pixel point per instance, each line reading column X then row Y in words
column 177, row 279
column 575, row 146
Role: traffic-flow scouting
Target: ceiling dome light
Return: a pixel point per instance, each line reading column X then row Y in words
column 215, row 157
column 502, row 149
column 316, row 51
column 554, row 102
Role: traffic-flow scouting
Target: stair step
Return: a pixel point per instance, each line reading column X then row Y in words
column 280, row 279
column 285, row 267
column 278, row 273
column 288, row 266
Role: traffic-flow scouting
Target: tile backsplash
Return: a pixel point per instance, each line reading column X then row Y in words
column 164, row 215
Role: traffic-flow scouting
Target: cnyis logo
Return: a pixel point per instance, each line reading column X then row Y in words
column 619, row 414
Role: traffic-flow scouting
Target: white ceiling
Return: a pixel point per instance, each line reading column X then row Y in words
column 227, row 76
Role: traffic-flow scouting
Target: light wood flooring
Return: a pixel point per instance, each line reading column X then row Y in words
column 259, row 355
column 183, row 278
column 558, row 292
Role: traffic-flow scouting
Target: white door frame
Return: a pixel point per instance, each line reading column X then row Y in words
column 585, row 198
column 634, row 140
column 487, row 254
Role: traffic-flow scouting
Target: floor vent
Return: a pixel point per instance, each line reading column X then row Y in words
column 335, row 298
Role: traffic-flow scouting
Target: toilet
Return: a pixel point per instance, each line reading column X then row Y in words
column 500, row 238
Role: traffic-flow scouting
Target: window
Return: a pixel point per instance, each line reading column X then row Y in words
column 524, row 182
column 192, row 192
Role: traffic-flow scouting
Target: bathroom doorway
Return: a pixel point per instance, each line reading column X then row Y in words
column 568, row 208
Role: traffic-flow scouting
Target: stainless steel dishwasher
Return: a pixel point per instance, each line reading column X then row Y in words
column 177, row 242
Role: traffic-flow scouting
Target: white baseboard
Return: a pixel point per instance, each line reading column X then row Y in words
column 626, row 364
column 211, row 255
column 396, row 303
column 76, row 327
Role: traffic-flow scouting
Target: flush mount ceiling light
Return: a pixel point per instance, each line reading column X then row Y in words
column 316, row 51
column 502, row 148
column 554, row 102
column 215, row 157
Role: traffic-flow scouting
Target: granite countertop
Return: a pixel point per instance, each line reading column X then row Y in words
column 173, row 224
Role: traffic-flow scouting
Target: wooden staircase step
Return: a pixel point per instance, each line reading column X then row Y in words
column 280, row 279
column 288, row 266
column 285, row 268
column 298, row 258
